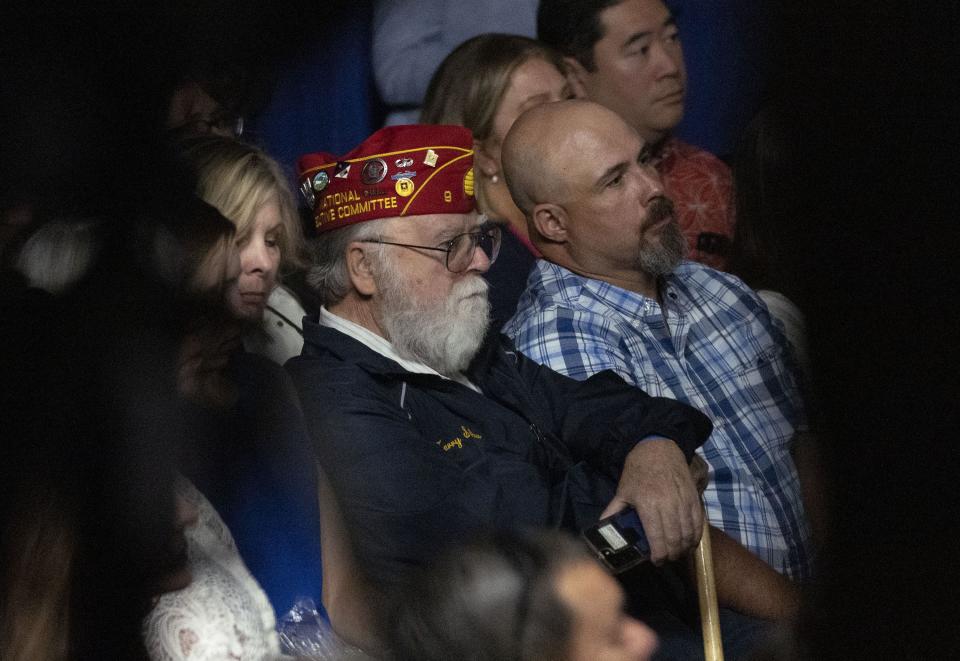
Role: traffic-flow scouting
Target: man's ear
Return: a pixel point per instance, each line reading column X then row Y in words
column 360, row 267
column 550, row 221
column 576, row 76
column 484, row 160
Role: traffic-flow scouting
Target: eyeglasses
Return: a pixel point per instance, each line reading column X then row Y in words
column 460, row 248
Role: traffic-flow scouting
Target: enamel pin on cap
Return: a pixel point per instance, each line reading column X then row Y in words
column 404, row 187
column 429, row 169
column 320, row 181
column 373, row 171
column 306, row 188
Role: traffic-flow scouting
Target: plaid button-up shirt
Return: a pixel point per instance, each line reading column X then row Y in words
column 713, row 345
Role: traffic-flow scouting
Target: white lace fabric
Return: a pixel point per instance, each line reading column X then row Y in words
column 223, row 613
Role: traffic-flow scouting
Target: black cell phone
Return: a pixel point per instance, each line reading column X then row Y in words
column 619, row 541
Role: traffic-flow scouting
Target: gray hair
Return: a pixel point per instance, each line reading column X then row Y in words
column 328, row 274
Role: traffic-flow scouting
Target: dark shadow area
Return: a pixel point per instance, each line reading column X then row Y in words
column 874, row 247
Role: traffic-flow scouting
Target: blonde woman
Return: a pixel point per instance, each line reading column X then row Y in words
column 250, row 189
column 255, row 464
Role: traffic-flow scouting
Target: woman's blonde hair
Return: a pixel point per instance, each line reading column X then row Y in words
column 238, row 179
column 470, row 83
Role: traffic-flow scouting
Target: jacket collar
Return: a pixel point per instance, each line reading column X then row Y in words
column 322, row 341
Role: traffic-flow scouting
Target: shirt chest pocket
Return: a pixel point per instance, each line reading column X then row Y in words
column 765, row 382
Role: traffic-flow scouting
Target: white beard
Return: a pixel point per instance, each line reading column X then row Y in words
column 444, row 335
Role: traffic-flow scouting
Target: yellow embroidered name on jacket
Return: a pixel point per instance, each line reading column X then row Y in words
column 465, row 433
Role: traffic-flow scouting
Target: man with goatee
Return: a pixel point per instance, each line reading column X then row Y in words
column 613, row 293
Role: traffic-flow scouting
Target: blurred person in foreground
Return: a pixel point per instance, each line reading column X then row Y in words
column 88, row 521
column 91, row 529
column 225, row 612
column 517, row 597
column 220, row 610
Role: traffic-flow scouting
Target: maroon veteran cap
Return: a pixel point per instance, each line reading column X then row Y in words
column 397, row 171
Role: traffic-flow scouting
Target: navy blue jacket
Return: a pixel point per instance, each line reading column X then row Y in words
column 420, row 462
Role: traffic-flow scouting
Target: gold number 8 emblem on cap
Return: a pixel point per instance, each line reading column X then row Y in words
column 404, row 187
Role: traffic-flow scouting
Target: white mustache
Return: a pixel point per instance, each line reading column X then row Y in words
column 471, row 287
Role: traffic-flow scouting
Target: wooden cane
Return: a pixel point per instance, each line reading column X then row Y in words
column 707, row 597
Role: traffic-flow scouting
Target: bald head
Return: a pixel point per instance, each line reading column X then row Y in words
column 540, row 145
column 593, row 203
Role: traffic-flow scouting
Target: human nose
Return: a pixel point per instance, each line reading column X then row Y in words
column 651, row 186
column 479, row 262
column 254, row 257
column 668, row 58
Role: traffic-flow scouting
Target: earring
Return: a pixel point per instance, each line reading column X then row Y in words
column 494, row 179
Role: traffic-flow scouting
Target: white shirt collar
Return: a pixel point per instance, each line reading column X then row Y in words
column 382, row 346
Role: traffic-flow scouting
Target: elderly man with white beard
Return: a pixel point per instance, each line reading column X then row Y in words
column 429, row 430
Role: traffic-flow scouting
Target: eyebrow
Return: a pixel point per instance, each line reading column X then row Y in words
column 671, row 20
column 611, row 173
column 635, row 37
column 445, row 234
